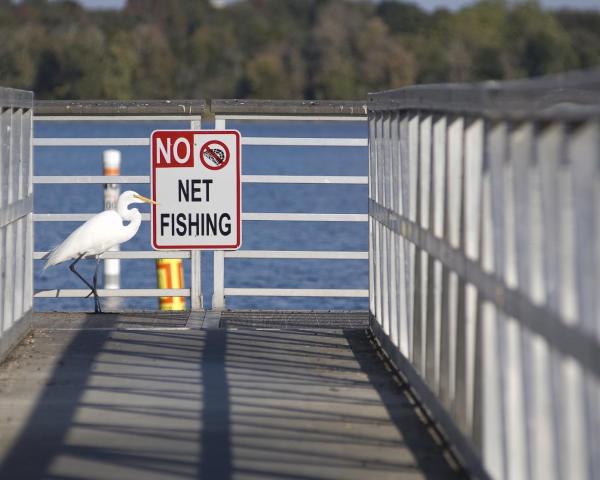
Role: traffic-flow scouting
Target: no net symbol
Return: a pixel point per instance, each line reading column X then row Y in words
column 214, row 155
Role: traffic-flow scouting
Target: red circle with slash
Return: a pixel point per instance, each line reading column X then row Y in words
column 214, row 155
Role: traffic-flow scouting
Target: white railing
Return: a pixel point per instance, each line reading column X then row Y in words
column 158, row 111
column 164, row 112
column 485, row 265
column 16, row 227
column 249, row 114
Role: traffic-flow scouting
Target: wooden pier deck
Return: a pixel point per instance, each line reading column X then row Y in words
column 154, row 396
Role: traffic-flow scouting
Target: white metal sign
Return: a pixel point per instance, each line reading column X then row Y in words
column 196, row 181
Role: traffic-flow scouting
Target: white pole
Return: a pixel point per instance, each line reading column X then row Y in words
column 112, row 166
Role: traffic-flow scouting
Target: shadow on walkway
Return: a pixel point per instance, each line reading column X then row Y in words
column 160, row 403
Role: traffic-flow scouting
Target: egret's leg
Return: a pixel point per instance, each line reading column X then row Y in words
column 97, row 308
column 72, row 268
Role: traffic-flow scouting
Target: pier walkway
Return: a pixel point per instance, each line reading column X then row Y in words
column 479, row 340
column 145, row 396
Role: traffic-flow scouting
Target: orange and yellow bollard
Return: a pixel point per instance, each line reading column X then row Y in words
column 169, row 273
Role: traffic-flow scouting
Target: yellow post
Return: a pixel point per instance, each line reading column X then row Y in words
column 169, row 273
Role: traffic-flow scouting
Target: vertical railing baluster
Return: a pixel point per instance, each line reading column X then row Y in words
column 487, row 421
column 196, row 300
column 218, row 299
column 377, row 226
column 452, row 286
column 421, row 258
column 437, row 228
column 27, row 152
column 549, row 158
column 515, row 169
column 381, row 256
column 473, row 161
column 3, row 188
column 412, row 183
column 403, row 244
column 391, row 281
column 18, row 230
column 8, row 189
column 543, row 431
column 585, row 139
column 394, row 237
column 571, row 419
column 372, row 221
column 384, row 156
column 496, row 436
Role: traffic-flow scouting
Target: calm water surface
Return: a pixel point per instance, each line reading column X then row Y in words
column 256, row 160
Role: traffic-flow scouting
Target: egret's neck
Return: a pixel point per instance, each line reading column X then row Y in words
column 132, row 216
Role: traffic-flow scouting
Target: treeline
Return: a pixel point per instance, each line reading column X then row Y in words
column 336, row 49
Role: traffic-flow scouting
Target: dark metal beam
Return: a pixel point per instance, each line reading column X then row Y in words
column 116, row 107
column 289, row 107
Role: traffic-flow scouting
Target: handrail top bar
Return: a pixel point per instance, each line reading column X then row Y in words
column 572, row 95
column 199, row 107
column 13, row 98
column 118, row 107
column 289, row 107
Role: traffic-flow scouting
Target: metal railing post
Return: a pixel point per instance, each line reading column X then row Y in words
column 196, row 280
column 196, row 299
column 218, row 300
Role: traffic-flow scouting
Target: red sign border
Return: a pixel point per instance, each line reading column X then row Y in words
column 238, row 243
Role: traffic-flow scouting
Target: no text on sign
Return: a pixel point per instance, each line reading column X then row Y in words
column 196, row 181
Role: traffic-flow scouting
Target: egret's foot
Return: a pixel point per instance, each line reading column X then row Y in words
column 97, row 308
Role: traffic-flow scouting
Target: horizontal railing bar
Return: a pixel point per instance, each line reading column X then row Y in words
column 291, row 254
column 123, row 292
column 133, row 254
column 91, row 142
column 297, row 292
column 302, row 118
column 307, row 179
column 115, row 118
column 341, row 108
column 264, row 141
column 277, row 217
column 306, row 142
column 56, row 179
column 72, row 217
column 142, row 179
column 306, row 217
column 565, row 96
column 569, row 340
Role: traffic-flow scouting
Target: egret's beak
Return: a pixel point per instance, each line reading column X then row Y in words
column 144, row 199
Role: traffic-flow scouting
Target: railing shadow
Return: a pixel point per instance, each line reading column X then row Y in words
column 430, row 449
column 215, row 456
column 44, row 435
column 158, row 403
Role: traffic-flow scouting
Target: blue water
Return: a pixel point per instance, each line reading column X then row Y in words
column 257, row 235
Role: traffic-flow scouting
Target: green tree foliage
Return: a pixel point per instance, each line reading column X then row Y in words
column 281, row 49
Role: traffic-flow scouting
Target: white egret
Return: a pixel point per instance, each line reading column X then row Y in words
column 101, row 232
